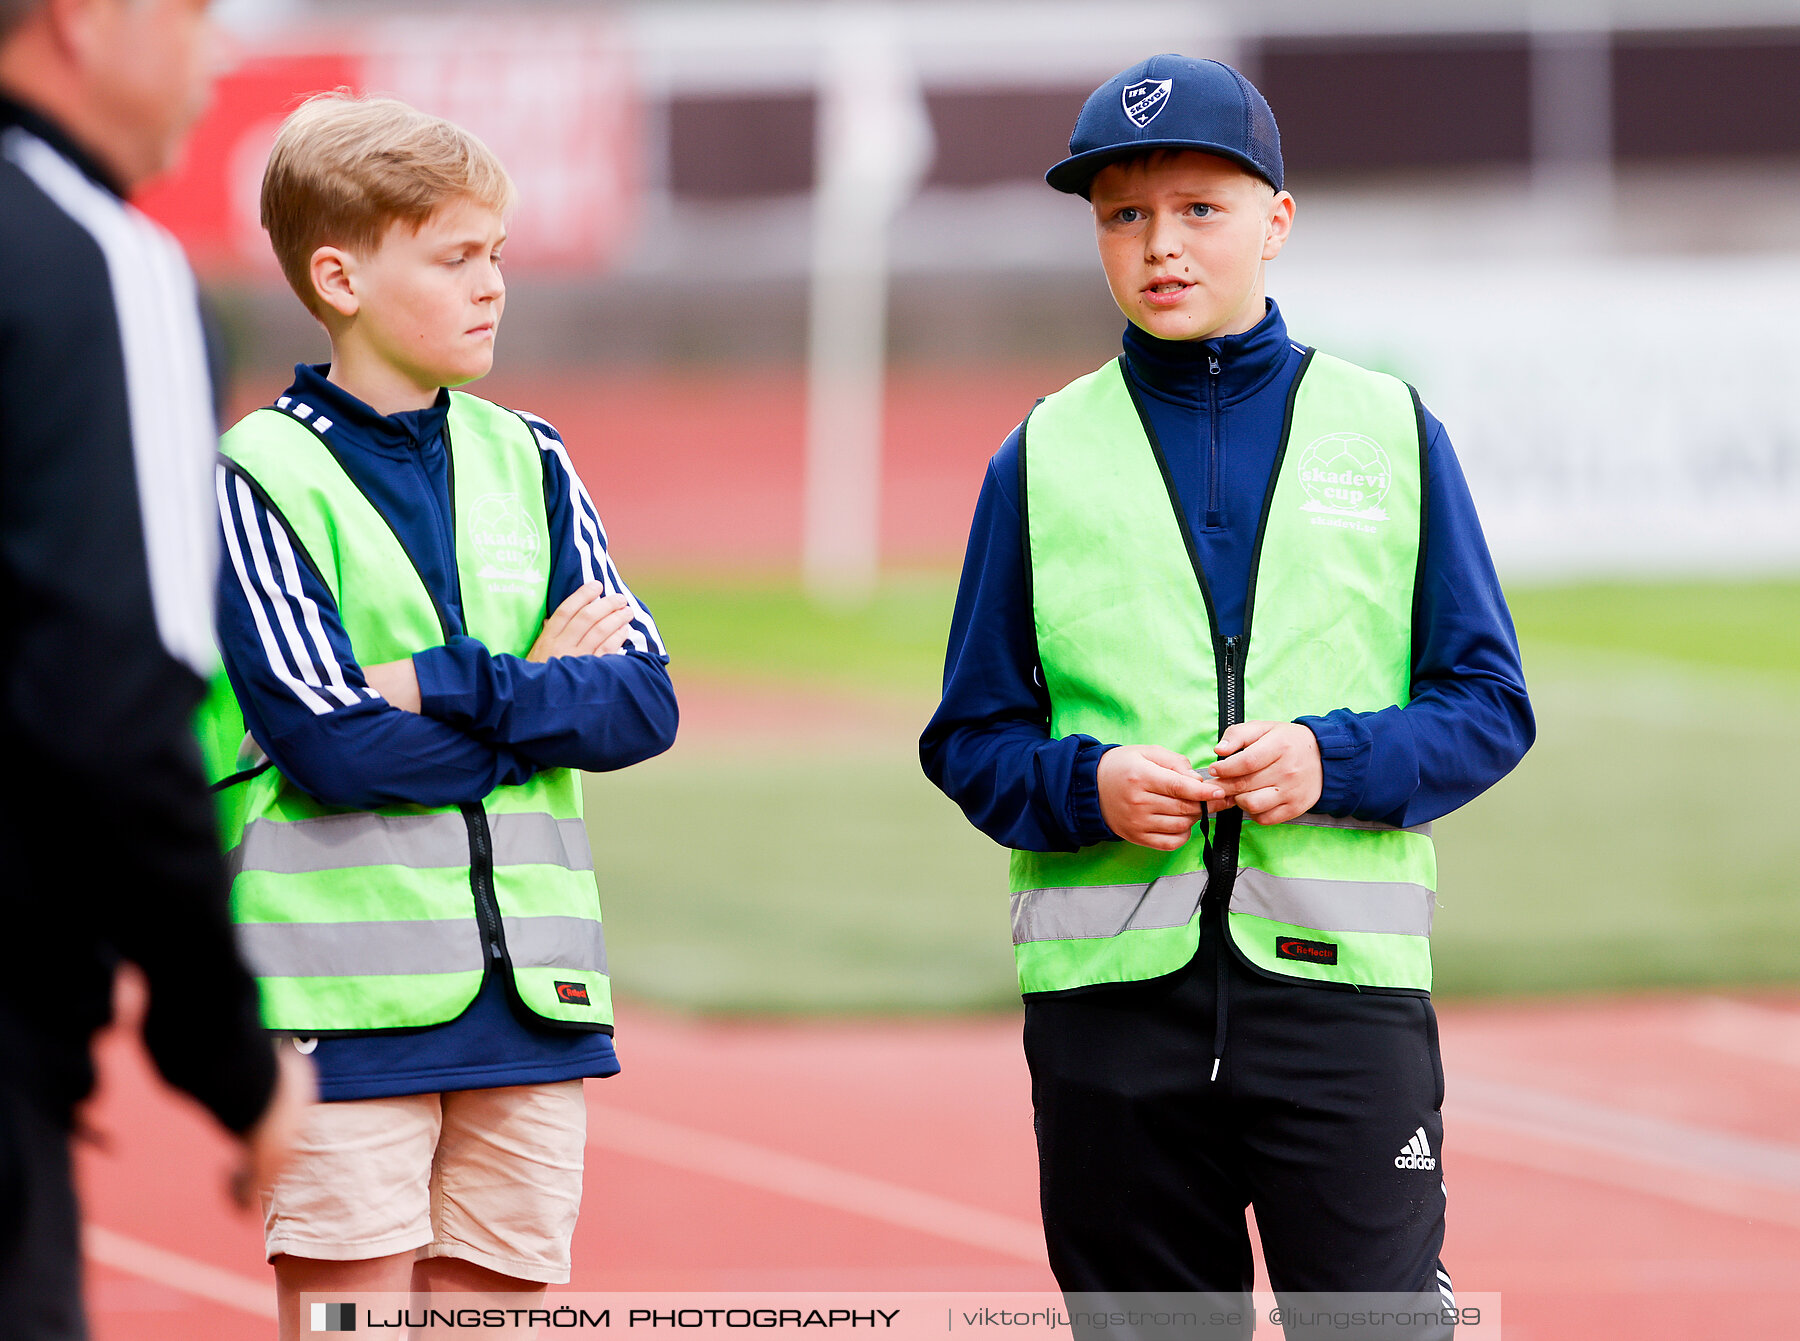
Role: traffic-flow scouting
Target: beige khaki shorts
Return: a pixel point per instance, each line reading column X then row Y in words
column 490, row 1176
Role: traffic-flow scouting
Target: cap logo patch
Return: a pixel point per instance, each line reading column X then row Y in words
column 1144, row 100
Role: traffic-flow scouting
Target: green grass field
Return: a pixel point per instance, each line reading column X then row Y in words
column 1648, row 840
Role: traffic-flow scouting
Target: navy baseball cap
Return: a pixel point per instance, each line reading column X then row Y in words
column 1171, row 102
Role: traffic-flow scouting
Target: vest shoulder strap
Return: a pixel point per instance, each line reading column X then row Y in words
column 503, row 541
column 495, row 422
column 295, row 473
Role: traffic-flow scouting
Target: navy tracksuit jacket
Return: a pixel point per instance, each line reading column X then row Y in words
column 1166, row 1107
column 487, row 718
column 1217, row 408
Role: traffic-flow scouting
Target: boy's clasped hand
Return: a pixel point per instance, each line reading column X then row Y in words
column 1153, row 796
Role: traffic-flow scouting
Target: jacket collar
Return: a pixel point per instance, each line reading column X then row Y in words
column 407, row 432
column 1179, row 370
column 14, row 113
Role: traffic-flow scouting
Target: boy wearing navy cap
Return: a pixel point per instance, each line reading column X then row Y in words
column 1228, row 640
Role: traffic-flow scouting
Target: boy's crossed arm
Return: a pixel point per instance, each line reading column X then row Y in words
column 588, row 623
column 1153, row 796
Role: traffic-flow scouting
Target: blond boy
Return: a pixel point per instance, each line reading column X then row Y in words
column 427, row 637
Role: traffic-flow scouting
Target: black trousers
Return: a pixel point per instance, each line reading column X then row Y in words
column 40, row 1238
column 1324, row 1117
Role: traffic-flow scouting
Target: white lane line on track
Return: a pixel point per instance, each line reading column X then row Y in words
column 1690, row 1190
column 1717, row 1171
column 1765, row 1034
column 750, row 1165
column 1616, row 1131
column 200, row 1279
column 1700, row 1158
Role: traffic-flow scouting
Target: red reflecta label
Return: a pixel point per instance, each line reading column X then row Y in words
column 1309, row 952
column 572, row 993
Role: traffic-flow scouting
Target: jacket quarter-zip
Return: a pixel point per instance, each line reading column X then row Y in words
column 1215, row 512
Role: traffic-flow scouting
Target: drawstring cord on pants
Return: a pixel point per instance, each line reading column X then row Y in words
column 1221, row 998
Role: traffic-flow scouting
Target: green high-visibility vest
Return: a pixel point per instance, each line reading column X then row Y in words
column 358, row 920
column 1131, row 653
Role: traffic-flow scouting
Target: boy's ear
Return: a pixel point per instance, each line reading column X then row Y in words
column 333, row 274
column 1281, row 222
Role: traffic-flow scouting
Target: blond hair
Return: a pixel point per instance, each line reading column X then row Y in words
column 344, row 168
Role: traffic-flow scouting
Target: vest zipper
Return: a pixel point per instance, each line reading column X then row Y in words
column 1231, row 712
column 1214, row 514
column 474, row 813
column 1233, row 687
column 481, row 879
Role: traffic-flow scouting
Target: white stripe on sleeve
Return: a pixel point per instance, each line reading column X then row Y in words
column 548, row 444
column 309, row 613
column 646, row 637
column 253, row 594
column 590, row 543
column 284, row 613
column 168, row 394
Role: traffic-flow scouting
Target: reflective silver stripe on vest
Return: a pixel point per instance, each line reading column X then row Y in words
column 1316, row 820
column 1084, row 912
column 360, row 949
column 556, row 942
column 536, row 839
column 423, row 842
column 1395, row 907
column 449, row 945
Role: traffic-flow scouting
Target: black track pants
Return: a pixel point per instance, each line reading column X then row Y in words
column 1324, row 1118
column 40, row 1245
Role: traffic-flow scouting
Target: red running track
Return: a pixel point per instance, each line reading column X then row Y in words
column 1618, row 1169
column 706, row 469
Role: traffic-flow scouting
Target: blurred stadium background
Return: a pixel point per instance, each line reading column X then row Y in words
column 785, row 274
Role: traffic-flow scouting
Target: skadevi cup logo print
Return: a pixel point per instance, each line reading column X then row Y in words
column 1144, row 100
column 506, row 538
column 1345, row 475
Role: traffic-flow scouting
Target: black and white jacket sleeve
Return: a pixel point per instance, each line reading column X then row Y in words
column 107, row 562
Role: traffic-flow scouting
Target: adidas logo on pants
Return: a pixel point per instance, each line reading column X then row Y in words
column 1417, row 1154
